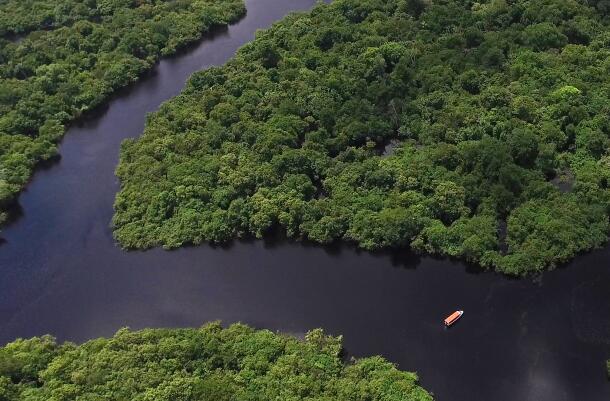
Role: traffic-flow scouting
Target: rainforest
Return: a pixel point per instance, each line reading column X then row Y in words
column 73, row 56
column 476, row 130
column 356, row 166
column 210, row 363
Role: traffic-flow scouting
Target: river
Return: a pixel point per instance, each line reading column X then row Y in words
column 61, row 273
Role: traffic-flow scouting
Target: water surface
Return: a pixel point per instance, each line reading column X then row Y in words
column 61, row 273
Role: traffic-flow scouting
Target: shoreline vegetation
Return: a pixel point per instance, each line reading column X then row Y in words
column 497, row 114
column 74, row 56
column 209, row 363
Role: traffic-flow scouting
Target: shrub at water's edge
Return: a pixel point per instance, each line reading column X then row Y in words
column 80, row 53
column 500, row 110
column 210, row 363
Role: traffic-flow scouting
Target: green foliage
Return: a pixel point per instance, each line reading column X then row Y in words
column 21, row 16
column 210, row 363
column 489, row 101
column 79, row 53
column 550, row 231
column 544, row 36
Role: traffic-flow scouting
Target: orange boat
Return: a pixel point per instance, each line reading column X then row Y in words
column 453, row 317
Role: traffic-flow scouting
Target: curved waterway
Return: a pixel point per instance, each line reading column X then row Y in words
column 61, row 273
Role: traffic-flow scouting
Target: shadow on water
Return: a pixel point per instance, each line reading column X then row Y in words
column 14, row 213
column 49, row 163
column 215, row 32
column 276, row 238
column 62, row 273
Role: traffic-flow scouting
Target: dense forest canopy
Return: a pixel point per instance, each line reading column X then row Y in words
column 497, row 112
column 207, row 364
column 80, row 51
column 21, row 16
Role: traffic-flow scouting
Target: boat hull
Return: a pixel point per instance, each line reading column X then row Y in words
column 454, row 317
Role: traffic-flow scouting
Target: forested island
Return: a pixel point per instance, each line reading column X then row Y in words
column 77, row 53
column 494, row 117
column 210, row 363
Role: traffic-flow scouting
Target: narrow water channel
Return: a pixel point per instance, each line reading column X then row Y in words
column 61, row 273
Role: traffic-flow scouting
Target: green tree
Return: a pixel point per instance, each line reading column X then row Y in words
column 74, row 54
column 389, row 124
column 209, row 363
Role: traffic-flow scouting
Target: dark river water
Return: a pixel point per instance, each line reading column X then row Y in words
column 61, row 273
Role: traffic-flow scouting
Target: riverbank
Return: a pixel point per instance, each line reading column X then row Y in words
column 286, row 136
column 210, row 363
column 53, row 77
